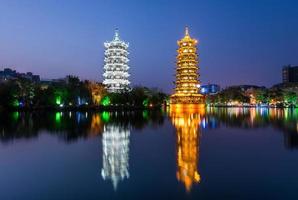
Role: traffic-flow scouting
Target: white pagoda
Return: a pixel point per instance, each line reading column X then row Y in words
column 116, row 65
column 115, row 144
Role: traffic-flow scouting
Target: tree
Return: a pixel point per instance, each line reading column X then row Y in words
column 261, row 96
column 290, row 97
column 10, row 94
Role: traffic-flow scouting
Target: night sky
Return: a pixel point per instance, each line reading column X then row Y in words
column 240, row 42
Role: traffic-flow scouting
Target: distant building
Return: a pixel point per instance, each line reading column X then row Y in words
column 246, row 87
column 9, row 74
column 290, row 74
column 209, row 89
column 29, row 76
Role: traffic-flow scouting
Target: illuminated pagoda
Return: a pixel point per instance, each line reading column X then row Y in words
column 115, row 143
column 187, row 78
column 116, row 65
column 187, row 124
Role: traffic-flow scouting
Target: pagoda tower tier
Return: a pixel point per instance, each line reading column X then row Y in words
column 187, row 78
column 116, row 65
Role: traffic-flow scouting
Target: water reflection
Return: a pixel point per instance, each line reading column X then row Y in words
column 70, row 126
column 115, row 144
column 96, row 126
column 285, row 120
column 113, row 131
column 187, row 123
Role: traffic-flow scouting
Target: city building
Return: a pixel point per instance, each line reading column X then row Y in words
column 116, row 65
column 209, row 89
column 9, row 74
column 290, row 74
column 115, row 144
column 187, row 78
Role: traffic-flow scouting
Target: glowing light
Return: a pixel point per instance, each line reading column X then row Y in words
column 58, row 117
column 115, row 144
column 116, row 65
column 105, row 116
column 21, row 104
column 15, row 103
column 145, row 114
column 186, row 118
column 145, row 102
column 106, row 101
column 15, row 116
column 58, row 100
column 96, row 125
column 187, row 83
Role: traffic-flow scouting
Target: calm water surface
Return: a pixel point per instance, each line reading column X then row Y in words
column 213, row 154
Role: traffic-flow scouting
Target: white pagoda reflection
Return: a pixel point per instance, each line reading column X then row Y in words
column 115, row 143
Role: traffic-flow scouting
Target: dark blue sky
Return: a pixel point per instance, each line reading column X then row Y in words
column 241, row 42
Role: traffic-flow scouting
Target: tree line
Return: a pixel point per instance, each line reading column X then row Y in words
column 283, row 95
column 73, row 93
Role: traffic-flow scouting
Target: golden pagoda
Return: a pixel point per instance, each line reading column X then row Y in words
column 187, row 77
column 187, row 124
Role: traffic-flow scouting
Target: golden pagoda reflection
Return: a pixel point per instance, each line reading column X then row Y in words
column 186, row 119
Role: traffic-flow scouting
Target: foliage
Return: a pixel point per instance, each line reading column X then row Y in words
column 106, row 101
column 280, row 95
column 25, row 93
column 72, row 92
column 261, row 96
column 10, row 92
column 139, row 97
column 232, row 94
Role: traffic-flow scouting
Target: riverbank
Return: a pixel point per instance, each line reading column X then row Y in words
column 126, row 107
column 83, row 108
column 250, row 106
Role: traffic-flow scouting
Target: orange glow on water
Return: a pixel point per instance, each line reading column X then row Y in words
column 96, row 127
column 186, row 119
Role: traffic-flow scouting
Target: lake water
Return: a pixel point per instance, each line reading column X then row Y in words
column 215, row 153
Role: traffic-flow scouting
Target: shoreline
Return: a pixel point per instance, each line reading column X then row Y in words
column 122, row 108
column 246, row 106
column 82, row 108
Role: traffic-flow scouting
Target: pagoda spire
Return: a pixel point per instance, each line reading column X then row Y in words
column 116, row 36
column 186, row 32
